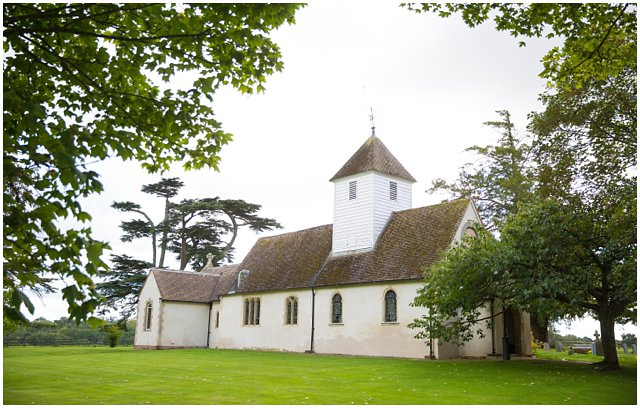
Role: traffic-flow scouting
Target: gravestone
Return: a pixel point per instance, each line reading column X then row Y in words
column 625, row 348
column 558, row 346
column 635, row 345
column 594, row 349
column 598, row 345
column 545, row 346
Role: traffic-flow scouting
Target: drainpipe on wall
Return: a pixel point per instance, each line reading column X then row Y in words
column 160, row 307
column 313, row 318
column 209, row 324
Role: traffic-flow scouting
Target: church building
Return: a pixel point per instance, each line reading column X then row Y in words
column 343, row 288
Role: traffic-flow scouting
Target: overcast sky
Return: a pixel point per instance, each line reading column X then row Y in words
column 431, row 83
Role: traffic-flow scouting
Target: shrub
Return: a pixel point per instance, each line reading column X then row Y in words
column 114, row 334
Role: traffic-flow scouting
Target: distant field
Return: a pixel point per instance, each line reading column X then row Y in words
column 100, row 375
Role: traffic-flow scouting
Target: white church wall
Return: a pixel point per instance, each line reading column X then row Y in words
column 470, row 215
column 352, row 219
column 383, row 205
column 184, row 324
column 149, row 293
column 272, row 333
column 479, row 346
column 363, row 330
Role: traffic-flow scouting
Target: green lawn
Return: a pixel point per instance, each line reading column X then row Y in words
column 100, row 375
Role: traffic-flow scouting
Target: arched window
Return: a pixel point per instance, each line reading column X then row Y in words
column 390, row 307
column 147, row 316
column 470, row 232
column 292, row 310
column 336, row 308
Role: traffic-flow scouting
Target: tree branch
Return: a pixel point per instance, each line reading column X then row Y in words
column 597, row 49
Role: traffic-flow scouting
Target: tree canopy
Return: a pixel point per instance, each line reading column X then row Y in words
column 499, row 179
column 84, row 82
column 190, row 229
column 569, row 248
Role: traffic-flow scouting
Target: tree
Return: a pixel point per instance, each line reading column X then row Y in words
column 78, row 89
column 572, row 249
column 121, row 284
column 165, row 188
column 586, row 138
column 499, row 180
column 198, row 226
column 191, row 229
column 629, row 339
column 550, row 259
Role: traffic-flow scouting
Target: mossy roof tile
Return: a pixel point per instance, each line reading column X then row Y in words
column 198, row 287
column 412, row 240
column 286, row 261
column 373, row 155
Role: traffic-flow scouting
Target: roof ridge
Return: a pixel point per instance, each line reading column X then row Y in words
column 295, row 232
column 433, row 205
column 191, row 272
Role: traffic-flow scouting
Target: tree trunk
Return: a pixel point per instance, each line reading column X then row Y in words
column 540, row 330
column 184, row 260
column 163, row 243
column 155, row 246
column 607, row 328
column 229, row 245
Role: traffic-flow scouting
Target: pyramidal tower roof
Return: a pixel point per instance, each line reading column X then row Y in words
column 373, row 155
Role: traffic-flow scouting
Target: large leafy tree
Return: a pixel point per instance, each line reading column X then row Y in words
column 500, row 179
column 572, row 249
column 550, row 259
column 77, row 89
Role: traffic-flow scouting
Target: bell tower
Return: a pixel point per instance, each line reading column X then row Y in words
column 370, row 186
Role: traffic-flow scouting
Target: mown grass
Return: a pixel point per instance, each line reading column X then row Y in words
column 99, row 375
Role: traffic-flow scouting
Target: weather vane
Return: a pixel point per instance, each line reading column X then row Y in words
column 373, row 127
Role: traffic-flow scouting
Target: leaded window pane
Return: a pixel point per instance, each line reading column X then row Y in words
column 147, row 316
column 390, row 307
column 295, row 311
column 336, row 308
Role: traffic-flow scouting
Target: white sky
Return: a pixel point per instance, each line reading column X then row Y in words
column 431, row 82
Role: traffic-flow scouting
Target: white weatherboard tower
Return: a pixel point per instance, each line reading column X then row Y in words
column 368, row 189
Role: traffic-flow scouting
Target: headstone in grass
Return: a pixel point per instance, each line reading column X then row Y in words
column 594, row 349
column 635, row 348
column 545, row 346
column 625, row 348
column 598, row 351
column 559, row 347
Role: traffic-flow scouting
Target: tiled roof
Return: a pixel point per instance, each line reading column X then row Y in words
column 412, row 240
column 195, row 286
column 286, row 261
column 373, row 155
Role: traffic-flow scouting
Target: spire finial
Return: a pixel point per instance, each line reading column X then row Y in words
column 373, row 127
column 209, row 262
